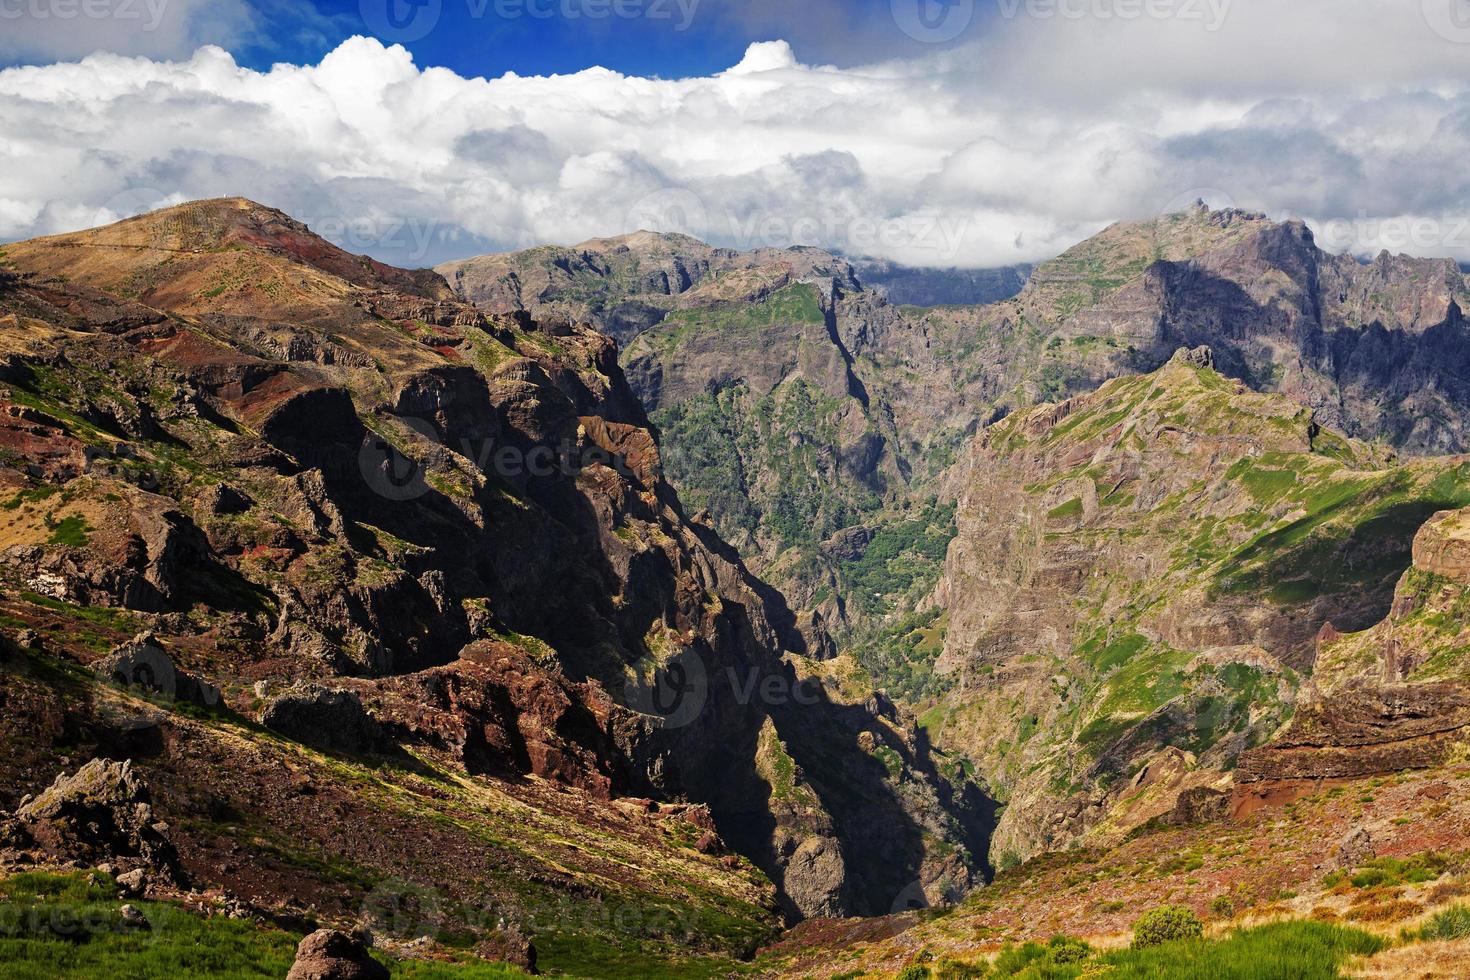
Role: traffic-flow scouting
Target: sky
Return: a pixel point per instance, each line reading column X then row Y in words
column 966, row 133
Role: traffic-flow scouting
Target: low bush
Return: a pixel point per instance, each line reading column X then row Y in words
column 1166, row 924
column 1451, row 923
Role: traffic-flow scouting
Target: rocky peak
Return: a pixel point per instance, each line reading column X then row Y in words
column 1199, row 357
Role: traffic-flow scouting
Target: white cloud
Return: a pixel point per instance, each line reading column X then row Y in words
column 1351, row 113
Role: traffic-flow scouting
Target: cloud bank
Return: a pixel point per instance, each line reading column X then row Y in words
column 1064, row 116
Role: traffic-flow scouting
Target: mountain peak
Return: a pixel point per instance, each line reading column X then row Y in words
column 215, row 250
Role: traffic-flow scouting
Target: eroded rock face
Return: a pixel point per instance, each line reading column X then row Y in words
column 499, row 712
column 1395, row 696
column 451, row 527
column 101, row 812
column 1145, row 569
column 331, row 955
column 324, row 717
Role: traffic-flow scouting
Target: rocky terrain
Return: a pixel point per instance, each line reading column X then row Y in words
column 291, row 493
column 605, row 610
column 1138, row 584
column 809, row 413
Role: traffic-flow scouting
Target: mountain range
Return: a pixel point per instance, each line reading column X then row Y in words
column 610, row 609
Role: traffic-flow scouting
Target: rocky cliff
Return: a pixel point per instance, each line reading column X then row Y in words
column 808, row 413
column 1138, row 581
column 382, row 520
column 1390, row 698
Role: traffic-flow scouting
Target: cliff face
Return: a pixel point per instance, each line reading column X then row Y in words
column 816, row 422
column 1390, row 698
column 301, row 465
column 801, row 407
column 1139, row 576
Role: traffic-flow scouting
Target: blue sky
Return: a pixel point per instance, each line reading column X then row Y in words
column 658, row 38
column 665, row 38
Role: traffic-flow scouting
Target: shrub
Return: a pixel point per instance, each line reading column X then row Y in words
column 913, row 972
column 947, row 969
column 1451, row 923
column 1222, row 907
column 1165, row 924
column 1065, row 949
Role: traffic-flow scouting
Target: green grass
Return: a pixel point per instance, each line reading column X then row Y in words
column 1298, row 950
column 54, row 925
column 70, row 532
column 1452, row 923
column 68, row 925
column 1070, row 509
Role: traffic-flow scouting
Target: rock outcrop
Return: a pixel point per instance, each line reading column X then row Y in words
column 1390, row 698
column 331, row 955
column 142, row 663
column 102, row 812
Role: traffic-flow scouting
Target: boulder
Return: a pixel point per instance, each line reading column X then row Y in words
column 143, row 663
column 1355, row 848
column 331, row 955
column 104, row 810
column 509, row 945
column 1199, row 804
column 328, row 719
column 133, row 918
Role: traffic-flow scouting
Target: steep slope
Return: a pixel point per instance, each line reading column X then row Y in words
column 743, row 364
column 1389, row 698
column 803, row 447
column 1138, row 579
column 1377, row 349
column 291, row 465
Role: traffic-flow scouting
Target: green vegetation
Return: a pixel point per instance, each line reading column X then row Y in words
column 796, row 303
column 1450, row 923
column 69, row 925
column 69, row 532
column 1301, row 950
column 902, row 560
column 1392, row 872
column 765, row 465
column 1166, row 924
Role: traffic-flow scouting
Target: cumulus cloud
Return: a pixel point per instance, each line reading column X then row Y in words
column 1063, row 116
